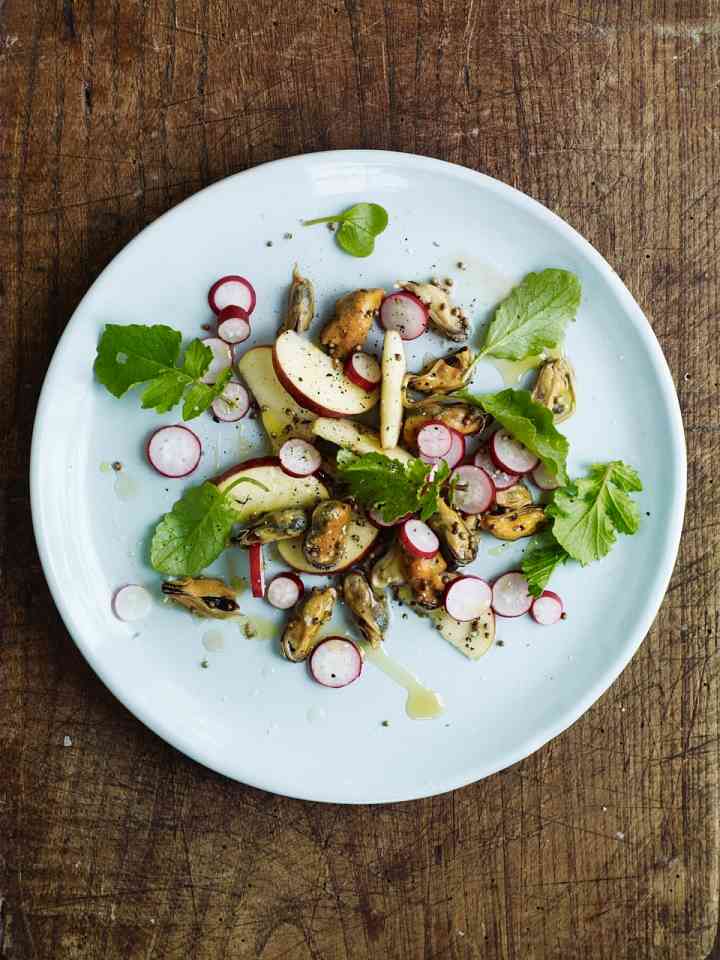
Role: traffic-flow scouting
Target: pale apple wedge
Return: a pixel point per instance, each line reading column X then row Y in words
column 473, row 638
column 358, row 540
column 281, row 416
column 391, row 392
column 355, row 438
column 315, row 381
column 282, row 491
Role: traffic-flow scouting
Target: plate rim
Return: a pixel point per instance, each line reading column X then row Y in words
column 664, row 568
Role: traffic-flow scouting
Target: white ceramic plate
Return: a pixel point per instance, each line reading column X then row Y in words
column 249, row 714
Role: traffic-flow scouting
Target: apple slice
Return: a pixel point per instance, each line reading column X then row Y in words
column 281, row 416
column 282, row 491
column 473, row 638
column 358, row 540
column 393, row 373
column 355, row 438
column 315, row 381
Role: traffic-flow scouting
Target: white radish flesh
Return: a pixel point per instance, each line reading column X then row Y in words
column 257, row 570
column 393, row 373
column 405, row 313
column 501, row 479
column 221, row 358
column 174, row 451
column 510, row 596
column 434, row 439
column 511, row 455
column 233, row 324
column 363, row 369
column 299, row 458
column 233, row 403
column 232, row 291
column 542, row 478
column 547, row 609
column 131, row 602
column 454, row 454
column 284, row 590
column 418, row 539
column 472, row 489
column 336, row 662
column 375, row 516
column 467, row 598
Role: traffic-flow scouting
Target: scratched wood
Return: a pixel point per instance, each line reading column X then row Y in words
column 604, row 844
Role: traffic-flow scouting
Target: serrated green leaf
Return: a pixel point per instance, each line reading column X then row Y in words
column 539, row 563
column 392, row 487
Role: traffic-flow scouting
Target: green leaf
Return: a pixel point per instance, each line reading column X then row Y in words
column 539, row 563
column 198, row 358
column 201, row 395
column 164, row 392
column 533, row 316
column 590, row 512
column 528, row 422
column 392, row 487
column 359, row 225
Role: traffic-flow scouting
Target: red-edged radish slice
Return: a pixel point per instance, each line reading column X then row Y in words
column 233, row 403
column 221, row 359
column 510, row 597
column 174, row 451
column 501, row 479
column 547, row 609
column 472, row 489
column 404, row 312
column 467, row 598
column 511, row 455
column 232, row 291
column 376, row 518
column 418, row 539
column 284, row 590
column 131, row 602
column 257, row 570
column 363, row 370
column 336, row 662
column 434, row 439
column 542, row 478
column 454, row 455
column 233, row 324
column 298, row 458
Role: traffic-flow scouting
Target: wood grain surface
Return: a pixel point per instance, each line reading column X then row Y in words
column 602, row 845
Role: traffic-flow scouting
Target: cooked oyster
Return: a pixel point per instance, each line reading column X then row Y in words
column 460, row 416
column 323, row 541
column 273, row 526
column 443, row 375
column 354, row 315
column 301, row 634
column 555, row 388
column 446, row 318
column 456, row 540
column 370, row 610
column 514, row 497
column 203, row 596
column 301, row 304
column 426, row 579
column 389, row 570
column 509, row 524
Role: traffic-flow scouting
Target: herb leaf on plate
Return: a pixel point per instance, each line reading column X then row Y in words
column 358, row 227
column 539, row 563
column 133, row 354
column 533, row 316
column 392, row 487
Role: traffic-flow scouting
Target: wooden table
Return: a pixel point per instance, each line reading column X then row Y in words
column 604, row 844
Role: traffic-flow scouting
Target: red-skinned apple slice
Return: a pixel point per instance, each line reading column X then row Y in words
column 358, row 540
column 311, row 377
column 282, row 491
column 281, row 416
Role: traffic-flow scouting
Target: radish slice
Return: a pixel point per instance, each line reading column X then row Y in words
column 233, row 324
column 403, row 312
column 222, row 358
column 284, row 590
column 501, row 479
column 472, row 489
column 336, row 662
column 454, row 454
column 174, row 451
column 364, row 370
column 542, row 478
column 434, row 439
column 547, row 609
column 511, row 455
column 510, row 597
column 131, row 602
column 232, row 291
column 467, row 598
column 233, row 403
column 418, row 539
column 257, row 570
column 298, row 458
column 375, row 517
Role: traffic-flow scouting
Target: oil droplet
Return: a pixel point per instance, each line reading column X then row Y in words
column 125, row 487
column 421, row 703
column 513, row 371
column 105, row 467
column 498, row 550
column 213, row 640
column 316, row 716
